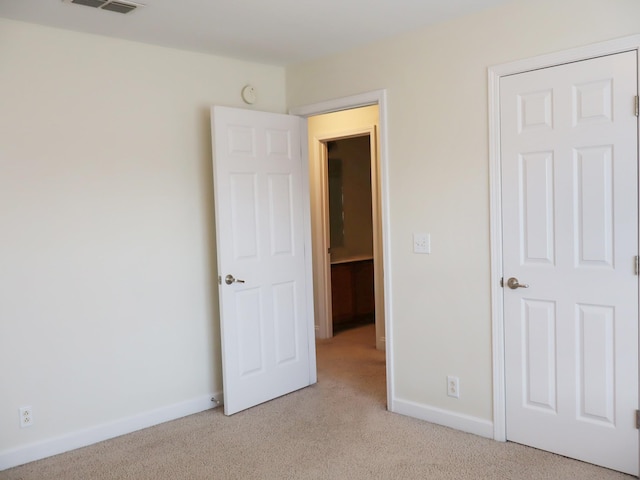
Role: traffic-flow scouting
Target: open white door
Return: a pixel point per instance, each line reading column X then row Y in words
column 570, row 232
column 262, row 226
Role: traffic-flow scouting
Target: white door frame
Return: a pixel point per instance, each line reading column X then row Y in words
column 626, row 44
column 323, row 274
column 377, row 97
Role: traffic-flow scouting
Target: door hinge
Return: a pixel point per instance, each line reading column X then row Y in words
column 638, row 419
column 637, row 106
column 636, row 261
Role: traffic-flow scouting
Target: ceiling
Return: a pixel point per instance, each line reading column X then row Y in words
column 277, row 32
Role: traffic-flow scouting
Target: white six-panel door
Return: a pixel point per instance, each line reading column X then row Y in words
column 569, row 158
column 260, row 232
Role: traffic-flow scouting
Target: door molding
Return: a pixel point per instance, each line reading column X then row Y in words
column 318, row 145
column 495, row 73
column 376, row 97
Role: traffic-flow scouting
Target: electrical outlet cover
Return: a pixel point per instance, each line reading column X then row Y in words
column 453, row 386
column 421, row 243
column 26, row 417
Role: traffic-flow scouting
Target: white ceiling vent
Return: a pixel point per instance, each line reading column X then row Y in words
column 111, row 5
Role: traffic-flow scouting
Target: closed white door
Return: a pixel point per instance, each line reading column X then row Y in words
column 261, row 229
column 569, row 140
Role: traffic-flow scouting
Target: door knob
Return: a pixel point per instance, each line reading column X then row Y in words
column 513, row 283
column 229, row 279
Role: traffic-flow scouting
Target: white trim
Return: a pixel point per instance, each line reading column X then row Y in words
column 494, row 74
column 447, row 418
column 304, row 155
column 378, row 97
column 82, row 438
column 345, row 103
column 610, row 47
column 322, row 239
column 497, row 292
column 378, row 235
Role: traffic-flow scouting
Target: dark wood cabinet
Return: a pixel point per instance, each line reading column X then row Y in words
column 352, row 293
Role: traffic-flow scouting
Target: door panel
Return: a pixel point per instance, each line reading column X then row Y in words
column 540, row 349
column 250, row 331
column 537, row 208
column 596, row 363
column 243, row 204
column 280, row 221
column 286, row 329
column 569, row 140
column 260, row 230
column 594, row 203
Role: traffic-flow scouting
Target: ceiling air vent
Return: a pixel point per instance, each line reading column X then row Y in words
column 112, row 5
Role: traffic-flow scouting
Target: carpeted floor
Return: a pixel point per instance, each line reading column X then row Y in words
column 337, row 429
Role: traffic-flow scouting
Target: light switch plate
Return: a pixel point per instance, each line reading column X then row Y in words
column 421, row 243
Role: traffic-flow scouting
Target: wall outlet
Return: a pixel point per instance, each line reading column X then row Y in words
column 453, row 386
column 421, row 243
column 26, row 417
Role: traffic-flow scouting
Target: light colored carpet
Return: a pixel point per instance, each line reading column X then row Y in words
column 337, row 429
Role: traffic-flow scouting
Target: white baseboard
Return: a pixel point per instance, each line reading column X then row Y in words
column 82, row 438
column 447, row 418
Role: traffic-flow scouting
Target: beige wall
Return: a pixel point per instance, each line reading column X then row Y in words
column 436, row 81
column 108, row 304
